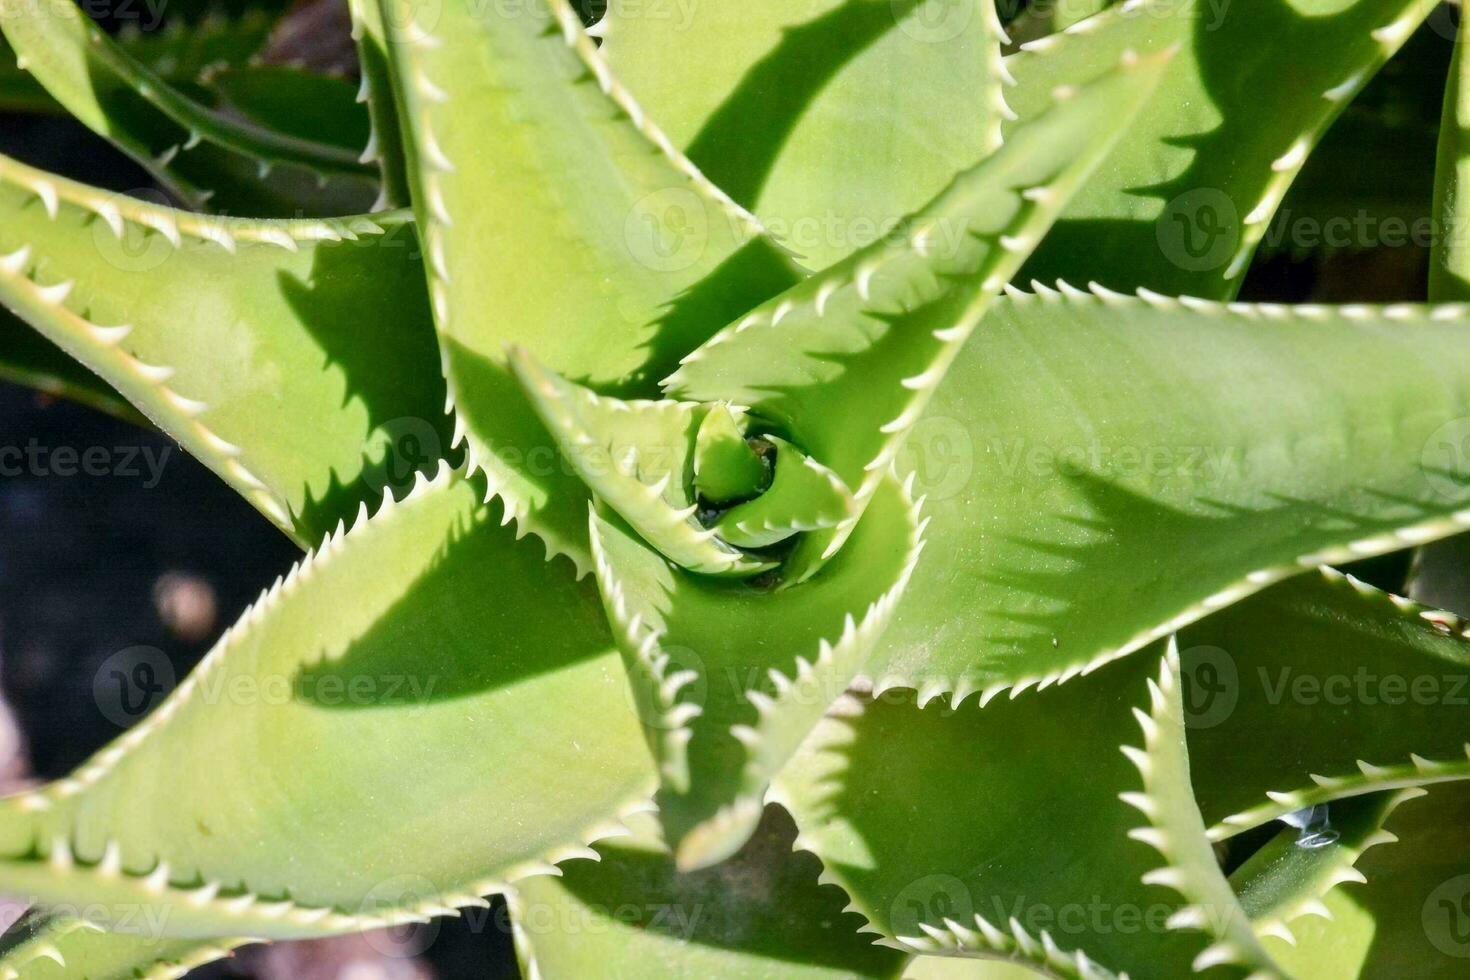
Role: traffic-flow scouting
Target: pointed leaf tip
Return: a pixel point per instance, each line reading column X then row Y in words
column 726, row 467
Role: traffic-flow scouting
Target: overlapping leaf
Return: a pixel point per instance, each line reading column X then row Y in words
column 998, row 832
column 896, row 97
column 205, row 157
column 1370, row 180
column 446, row 640
column 1287, row 878
column 759, row 916
column 1180, row 205
column 730, row 676
column 294, row 358
column 637, row 457
column 844, row 362
column 1323, row 688
column 1174, row 456
column 557, row 216
column 1408, row 917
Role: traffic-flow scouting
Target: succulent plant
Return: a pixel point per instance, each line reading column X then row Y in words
column 731, row 428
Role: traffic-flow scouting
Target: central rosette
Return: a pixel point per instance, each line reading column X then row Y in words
column 710, row 488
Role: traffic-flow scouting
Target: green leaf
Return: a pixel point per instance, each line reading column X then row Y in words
column 1106, row 470
column 1288, row 876
column 1177, row 831
column 28, row 358
column 1407, row 920
column 179, row 52
column 1038, row 20
column 297, row 103
column 730, row 676
column 726, row 468
column 803, row 496
column 43, row 945
column 1181, row 203
column 896, row 97
column 844, row 362
column 1449, row 261
column 1370, row 180
column 956, row 968
column 1323, row 687
column 1033, row 855
column 578, row 233
column 759, row 916
column 201, row 155
column 19, row 90
column 386, row 141
column 261, row 346
column 187, row 49
column 446, row 639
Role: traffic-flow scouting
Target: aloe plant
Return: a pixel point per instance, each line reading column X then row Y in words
column 733, row 428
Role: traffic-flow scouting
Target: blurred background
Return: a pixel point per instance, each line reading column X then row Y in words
column 114, row 584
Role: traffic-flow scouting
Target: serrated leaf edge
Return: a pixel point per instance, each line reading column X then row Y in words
column 650, row 669
column 265, row 146
column 238, row 901
column 1063, row 294
column 97, row 343
column 1286, row 166
column 1418, row 771
column 1279, row 925
column 1011, row 942
column 811, row 679
column 434, row 163
column 1195, row 914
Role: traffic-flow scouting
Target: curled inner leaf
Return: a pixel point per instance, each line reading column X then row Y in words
column 726, row 467
column 656, row 462
column 804, row 496
column 636, row 456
